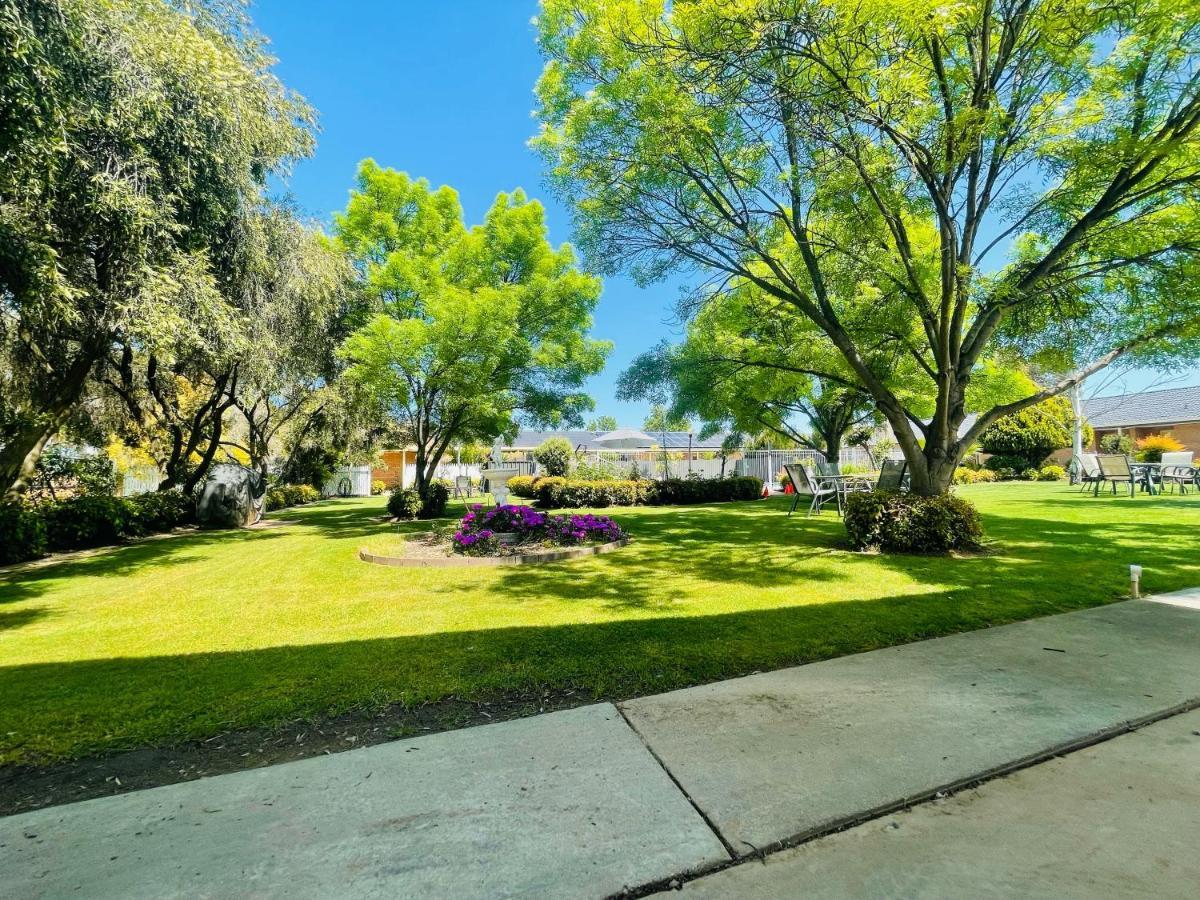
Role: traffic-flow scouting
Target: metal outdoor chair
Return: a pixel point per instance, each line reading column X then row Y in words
column 891, row 475
column 1086, row 470
column 1114, row 470
column 1177, row 470
column 462, row 486
column 805, row 484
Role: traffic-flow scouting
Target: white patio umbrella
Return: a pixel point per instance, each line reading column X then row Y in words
column 624, row 439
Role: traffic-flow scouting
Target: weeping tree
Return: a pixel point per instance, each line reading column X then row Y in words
column 469, row 328
column 136, row 136
column 949, row 181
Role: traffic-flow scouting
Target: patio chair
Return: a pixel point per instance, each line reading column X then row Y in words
column 826, row 468
column 805, row 484
column 462, row 486
column 891, row 475
column 1114, row 470
column 1086, row 470
column 1177, row 469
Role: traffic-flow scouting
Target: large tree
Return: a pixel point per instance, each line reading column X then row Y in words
column 470, row 327
column 952, row 180
column 136, row 136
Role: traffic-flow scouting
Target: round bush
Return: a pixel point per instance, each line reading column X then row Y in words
column 1051, row 473
column 1029, row 436
column 554, row 455
column 378, row 487
column 906, row 523
column 404, row 503
column 22, row 533
column 437, row 495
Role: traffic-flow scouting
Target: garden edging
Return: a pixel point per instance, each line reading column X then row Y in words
column 525, row 559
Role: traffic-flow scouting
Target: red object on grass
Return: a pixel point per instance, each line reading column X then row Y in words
column 788, row 489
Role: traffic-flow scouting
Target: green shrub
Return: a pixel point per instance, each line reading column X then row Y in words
column 1031, row 434
column 1116, row 443
column 22, row 533
column 437, row 495
column 1002, row 463
column 906, row 523
column 672, row 491
column 159, row 511
column 284, row 495
column 554, row 455
column 558, row 493
column 404, row 503
column 967, row 475
column 87, row 520
column 59, row 471
column 522, row 486
column 1051, row 473
column 378, row 487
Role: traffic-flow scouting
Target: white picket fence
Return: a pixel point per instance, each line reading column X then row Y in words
column 349, row 481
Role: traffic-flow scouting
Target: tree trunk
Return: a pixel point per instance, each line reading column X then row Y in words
column 19, row 457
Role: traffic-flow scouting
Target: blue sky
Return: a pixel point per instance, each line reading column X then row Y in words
column 443, row 90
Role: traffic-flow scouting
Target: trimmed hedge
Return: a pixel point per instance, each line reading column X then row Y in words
column 522, row 486
column 907, row 523
column 964, row 475
column 559, row 493
column 87, row 520
column 285, row 495
column 22, row 533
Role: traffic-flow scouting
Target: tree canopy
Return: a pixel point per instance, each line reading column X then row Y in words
column 469, row 328
column 948, row 181
column 136, row 139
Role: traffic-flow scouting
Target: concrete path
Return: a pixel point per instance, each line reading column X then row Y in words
column 591, row 801
column 563, row 805
column 787, row 754
column 1119, row 819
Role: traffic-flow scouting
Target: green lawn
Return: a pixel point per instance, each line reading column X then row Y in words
column 190, row 636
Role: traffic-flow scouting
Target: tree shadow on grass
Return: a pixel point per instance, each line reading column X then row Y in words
column 70, row 709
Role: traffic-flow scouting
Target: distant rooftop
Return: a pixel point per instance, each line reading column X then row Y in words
column 1170, row 406
column 586, row 440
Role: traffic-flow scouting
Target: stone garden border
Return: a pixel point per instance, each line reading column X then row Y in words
column 457, row 562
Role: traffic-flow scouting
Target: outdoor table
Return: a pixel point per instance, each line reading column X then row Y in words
column 1145, row 474
column 845, row 484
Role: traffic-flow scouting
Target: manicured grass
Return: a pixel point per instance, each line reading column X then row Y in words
column 191, row 636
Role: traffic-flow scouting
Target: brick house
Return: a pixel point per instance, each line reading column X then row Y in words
column 1172, row 411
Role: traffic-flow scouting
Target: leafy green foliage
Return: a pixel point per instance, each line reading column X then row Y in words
column 939, row 186
column 160, row 511
column 602, row 423
column 433, row 504
column 554, row 455
column 560, row 493
column 61, row 471
column 22, row 532
column 908, row 523
column 1027, row 437
column 89, row 520
column 1117, row 443
column 522, row 486
column 404, row 503
column 467, row 327
column 137, row 140
column 285, row 495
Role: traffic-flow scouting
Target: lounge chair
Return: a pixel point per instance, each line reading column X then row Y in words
column 1177, row 469
column 1114, row 470
column 1086, row 470
column 805, row 484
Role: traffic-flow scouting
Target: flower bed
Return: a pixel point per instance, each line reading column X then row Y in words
column 519, row 529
